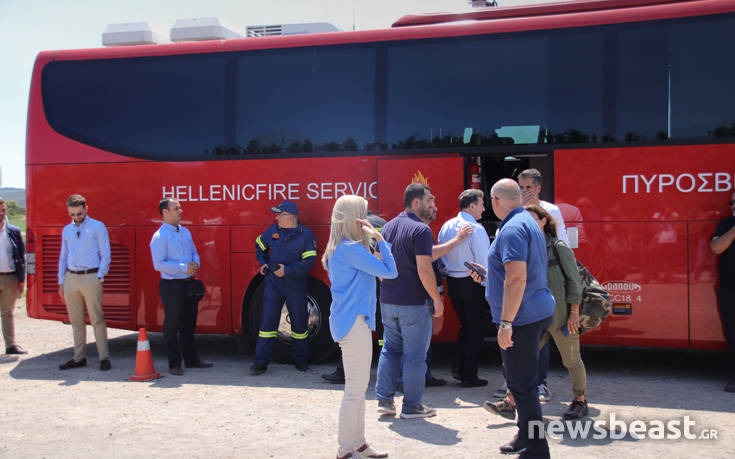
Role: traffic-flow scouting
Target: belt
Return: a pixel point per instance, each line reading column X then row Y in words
column 188, row 279
column 86, row 271
column 11, row 273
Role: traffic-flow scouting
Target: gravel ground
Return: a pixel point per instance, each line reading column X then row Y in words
column 223, row 412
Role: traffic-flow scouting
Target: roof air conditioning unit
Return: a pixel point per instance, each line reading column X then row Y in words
column 289, row 29
column 199, row 29
column 131, row 33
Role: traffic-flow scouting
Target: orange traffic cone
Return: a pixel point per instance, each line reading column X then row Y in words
column 144, row 370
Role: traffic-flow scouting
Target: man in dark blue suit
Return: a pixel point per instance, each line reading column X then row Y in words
column 12, row 277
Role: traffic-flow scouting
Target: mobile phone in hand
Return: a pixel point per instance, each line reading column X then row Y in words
column 472, row 268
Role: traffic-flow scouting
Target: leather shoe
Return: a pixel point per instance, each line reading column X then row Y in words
column 73, row 364
column 334, row 378
column 477, row 382
column 200, row 364
column 456, row 375
column 15, row 350
column 301, row 366
column 512, row 447
column 434, row 382
column 257, row 369
column 178, row 371
column 105, row 364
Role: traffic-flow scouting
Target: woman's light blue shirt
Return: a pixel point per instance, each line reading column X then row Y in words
column 352, row 272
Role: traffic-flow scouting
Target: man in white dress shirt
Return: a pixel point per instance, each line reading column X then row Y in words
column 468, row 297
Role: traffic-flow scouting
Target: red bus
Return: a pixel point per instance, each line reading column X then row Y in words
column 625, row 106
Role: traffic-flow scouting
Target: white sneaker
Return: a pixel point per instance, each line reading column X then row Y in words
column 423, row 411
column 544, row 394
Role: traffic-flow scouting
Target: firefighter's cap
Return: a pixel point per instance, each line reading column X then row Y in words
column 286, row 206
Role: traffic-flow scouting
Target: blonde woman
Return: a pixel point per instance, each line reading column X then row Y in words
column 352, row 271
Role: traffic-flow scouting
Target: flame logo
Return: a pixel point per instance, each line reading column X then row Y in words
column 418, row 177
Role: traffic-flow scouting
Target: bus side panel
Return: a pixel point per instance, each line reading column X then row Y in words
column 645, row 276
column 705, row 327
column 213, row 246
column 118, row 297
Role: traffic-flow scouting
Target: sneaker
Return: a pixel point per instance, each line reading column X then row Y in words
column 577, row 409
column 386, row 407
column 501, row 391
column 502, row 408
column 258, row 369
column 422, row 411
column 544, row 394
column 730, row 386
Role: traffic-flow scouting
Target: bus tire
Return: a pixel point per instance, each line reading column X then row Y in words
column 318, row 300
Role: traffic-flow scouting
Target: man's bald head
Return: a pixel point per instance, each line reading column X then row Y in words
column 505, row 196
column 507, row 190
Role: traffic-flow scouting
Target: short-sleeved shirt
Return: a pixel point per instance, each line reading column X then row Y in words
column 520, row 239
column 408, row 237
column 727, row 258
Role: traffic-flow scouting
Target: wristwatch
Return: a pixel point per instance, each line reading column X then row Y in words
column 504, row 325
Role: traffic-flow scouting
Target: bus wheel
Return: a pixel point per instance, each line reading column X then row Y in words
column 318, row 300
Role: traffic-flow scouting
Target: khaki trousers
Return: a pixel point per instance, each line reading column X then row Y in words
column 357, row 355
column 81, row 289
column 571, row 358
column 8, row 295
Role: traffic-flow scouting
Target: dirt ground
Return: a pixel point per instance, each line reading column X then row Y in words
column 223, row 412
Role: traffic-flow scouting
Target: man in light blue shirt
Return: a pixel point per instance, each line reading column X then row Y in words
column 176, row 258
column 83, row 264
column 468, row 297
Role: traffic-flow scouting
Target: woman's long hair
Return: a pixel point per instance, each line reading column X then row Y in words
column 346, row 210
column 550, row 226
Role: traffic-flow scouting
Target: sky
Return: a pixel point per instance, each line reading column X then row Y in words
column 28, row 27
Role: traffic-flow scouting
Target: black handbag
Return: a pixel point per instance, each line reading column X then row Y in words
column 195, row 290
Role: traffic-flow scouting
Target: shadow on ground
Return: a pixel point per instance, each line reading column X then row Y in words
column 616, row 376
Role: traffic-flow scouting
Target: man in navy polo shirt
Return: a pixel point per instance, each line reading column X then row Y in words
column 405, row 307
column 522, row 304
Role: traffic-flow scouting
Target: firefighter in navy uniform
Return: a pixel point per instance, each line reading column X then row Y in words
column 286, row 252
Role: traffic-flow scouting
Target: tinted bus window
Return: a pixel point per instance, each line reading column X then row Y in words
column 641, row 86
column 170, row 108
column 507, row 89
column 436, row 90
column 575, row 86
column 702, row 76
column 305, row 100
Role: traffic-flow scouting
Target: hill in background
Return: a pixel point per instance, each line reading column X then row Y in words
column 14, row 194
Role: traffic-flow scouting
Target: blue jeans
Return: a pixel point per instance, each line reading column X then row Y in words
column 406, row 335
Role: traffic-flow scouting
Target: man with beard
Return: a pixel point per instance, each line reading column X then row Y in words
column 406, row 308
